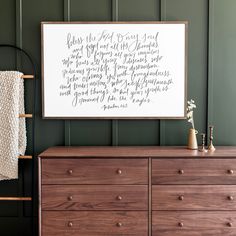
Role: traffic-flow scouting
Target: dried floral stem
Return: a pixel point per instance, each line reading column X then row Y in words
column 190, row 107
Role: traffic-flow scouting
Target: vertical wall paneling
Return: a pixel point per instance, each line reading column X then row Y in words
column 211, row 81
column 176, row 131
column 67, row 10
column 19, row 23
column 163, row 10
column 91, row 10
column 67, row 122
column 25, row 167
column 162, row 122
column 139, row 10
column 115, row 10
column 25, row 210
column 94, row 131
column 139, row 132
column 67, row 133
column 115, row 134
column 210, row 63
column 18, row 58
column 222, row 71
column 47, row 132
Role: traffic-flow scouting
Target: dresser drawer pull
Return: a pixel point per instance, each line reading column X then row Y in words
column 119, row 224
column 70, row 224
column 119, row 171
column 181, row 198
column 231, row 198
column 70, row 172
column 70, row 198
column 119, row 198
column 181, row 172
column 230, row 224
column 181, row 224
column 230, row 172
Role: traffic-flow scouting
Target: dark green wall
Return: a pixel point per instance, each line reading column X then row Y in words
column 211, row 82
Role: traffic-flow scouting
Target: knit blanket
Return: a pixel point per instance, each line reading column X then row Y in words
column 12, row 128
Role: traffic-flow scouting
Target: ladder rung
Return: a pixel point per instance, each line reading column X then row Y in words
column 25, row 115
column 25, row 157
column 15, row 199
column 27, row 76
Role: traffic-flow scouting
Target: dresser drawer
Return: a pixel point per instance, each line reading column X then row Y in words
column 203, row 197
column 194, row 171
column 84, row 223
column 193, row 223
column 94, row 197
column 94, row 171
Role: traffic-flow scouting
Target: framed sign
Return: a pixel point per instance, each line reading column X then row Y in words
column 114, row 70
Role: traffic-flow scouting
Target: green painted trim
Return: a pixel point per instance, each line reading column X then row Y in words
column 19, row 40
column 115, row 133
column 162, row 133
column 162, row 125
column 67, row 10
column 67, row 126
column 18, row 12
column 115, row 10
column 67, row 133
column 115, row 123
column 210, row 63
column 163, row 10
column 19, row 23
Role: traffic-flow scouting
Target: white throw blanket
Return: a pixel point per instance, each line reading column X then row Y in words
column 12, row 128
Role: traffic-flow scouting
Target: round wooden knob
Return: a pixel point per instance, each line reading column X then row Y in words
column 119, row 198
column 230, row 172
column 70, row 172
column 231, row 198
column 119, row 224
column 119, row 171
column 70, row 224
column 230, row 224
column 70, row 198
column 181, row 224
column 181, row 198
column 181, row 172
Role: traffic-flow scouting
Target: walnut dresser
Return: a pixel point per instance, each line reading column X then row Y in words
column 138, row 191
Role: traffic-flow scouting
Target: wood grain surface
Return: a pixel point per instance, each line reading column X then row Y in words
column 135, row 151
column 194, row 171
column 193, row 223
column 94, row 197
column 122, row 191
column 84, row 223
column 94, row 171
column 197, row 197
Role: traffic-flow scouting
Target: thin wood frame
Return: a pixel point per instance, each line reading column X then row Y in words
column 15, row 198
column 117, row 22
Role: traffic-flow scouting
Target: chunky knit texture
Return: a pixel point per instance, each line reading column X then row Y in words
column 12, row 128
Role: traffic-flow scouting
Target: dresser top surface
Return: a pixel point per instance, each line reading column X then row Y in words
column 135, row 151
